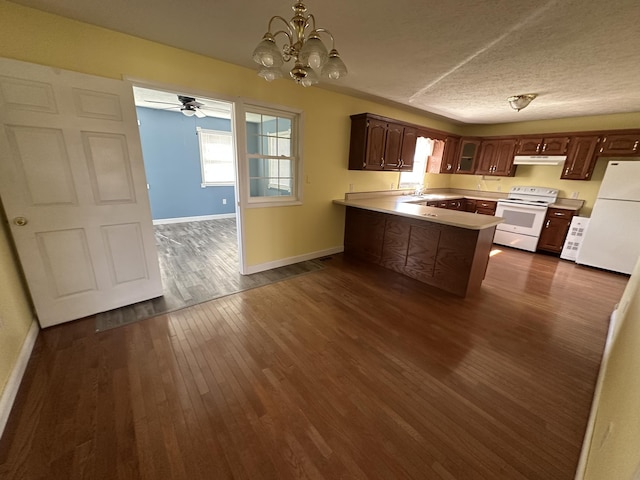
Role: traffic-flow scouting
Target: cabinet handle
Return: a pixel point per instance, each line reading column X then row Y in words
column 538, row 148
column 544, row 147
column 635, row 146
column 547, row 224
column 559, row 214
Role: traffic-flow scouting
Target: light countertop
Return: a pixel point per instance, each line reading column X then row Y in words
column 402, row 205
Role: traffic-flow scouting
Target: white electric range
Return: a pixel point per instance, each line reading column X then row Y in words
column 524, row 211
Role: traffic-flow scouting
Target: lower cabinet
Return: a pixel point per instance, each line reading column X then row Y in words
column 485, row 207
column 451, row 258
column 555, row 229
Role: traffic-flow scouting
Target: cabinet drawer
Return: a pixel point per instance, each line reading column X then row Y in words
column 486, row 211
column 560, row 213
column 486, row 204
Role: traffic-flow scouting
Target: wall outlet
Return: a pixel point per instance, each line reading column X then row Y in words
column 224, row 201
column 499, row 188
column 351, row 187
column 392, row 187
column 574, row 194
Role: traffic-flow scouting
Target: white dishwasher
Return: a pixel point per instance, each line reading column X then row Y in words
column 574, row 238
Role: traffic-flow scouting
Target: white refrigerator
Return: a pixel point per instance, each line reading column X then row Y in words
column 612, row 239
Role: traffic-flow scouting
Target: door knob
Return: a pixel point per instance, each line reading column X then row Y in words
column 20, row 221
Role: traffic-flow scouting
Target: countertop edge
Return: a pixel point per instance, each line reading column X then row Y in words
column 429, row 214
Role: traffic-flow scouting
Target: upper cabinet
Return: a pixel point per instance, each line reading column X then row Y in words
column 617, row 144
column 581, row 158
column 467, row 156
column 496, row 157
column 443, row 156
column 542, row 146
column 380, row 144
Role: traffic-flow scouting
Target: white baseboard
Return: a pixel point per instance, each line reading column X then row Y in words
column 13, row 384
column 291, row 260
column 200, row 218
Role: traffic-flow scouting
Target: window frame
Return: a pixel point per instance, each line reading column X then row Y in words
column 232, row 137
column 296, row 118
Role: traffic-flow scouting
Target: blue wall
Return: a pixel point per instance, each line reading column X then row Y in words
column 172, row 163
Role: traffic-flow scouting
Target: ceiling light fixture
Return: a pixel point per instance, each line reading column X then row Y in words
column 308, row 52
column 188, row 111
column 518, row 102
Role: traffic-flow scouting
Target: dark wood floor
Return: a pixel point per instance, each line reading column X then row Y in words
column 198, row 262
column 349, row 372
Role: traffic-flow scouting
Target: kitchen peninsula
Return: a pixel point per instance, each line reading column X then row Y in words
column 446, row 249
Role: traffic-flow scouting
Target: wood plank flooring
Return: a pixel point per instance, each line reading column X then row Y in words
column 198, row 262
column 351, row 372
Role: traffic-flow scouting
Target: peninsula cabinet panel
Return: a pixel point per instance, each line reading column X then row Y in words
column 395, row 243
column 581, row 158
column 424, row 242
column 627, row 144
column 364, row 234
column 450, row 258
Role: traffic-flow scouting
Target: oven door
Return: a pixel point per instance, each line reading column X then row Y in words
column 521, row 219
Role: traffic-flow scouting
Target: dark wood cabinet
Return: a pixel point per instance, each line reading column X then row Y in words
column 451, row 258
column 496, row 157
column 555, row 229
column 364, row 232
column 449, row 154
column 620, row 144
column 581, row 158
column 485, row 207
column 467, row 157
column 542, row 146
column 380, row 144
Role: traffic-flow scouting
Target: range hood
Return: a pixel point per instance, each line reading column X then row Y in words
column 539, row 159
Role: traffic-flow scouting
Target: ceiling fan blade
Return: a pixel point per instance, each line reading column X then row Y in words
column 156, row 101
column 200, row 114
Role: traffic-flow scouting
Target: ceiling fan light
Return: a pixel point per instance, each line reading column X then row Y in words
column 270, row 73
column 518, row 102
column 267, row 52
column 313, row 52
column 335, row 67
column 188, row 111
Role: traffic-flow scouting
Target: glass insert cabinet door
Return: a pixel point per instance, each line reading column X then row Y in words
column 272, row 160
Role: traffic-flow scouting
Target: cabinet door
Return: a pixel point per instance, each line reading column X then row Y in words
column 456, row 204
column 620, row 144
column 393, row 146
column 469, row 205
column 503, row 161
column 555, row 229
column 581, row 158
column 376, row 137
column 408, row 150
column 555, row 146
column 529, row 146
column 487, row 154
column 467, row 156
column 449, row 154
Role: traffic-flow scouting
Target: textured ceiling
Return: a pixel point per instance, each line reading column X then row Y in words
column 460, row 59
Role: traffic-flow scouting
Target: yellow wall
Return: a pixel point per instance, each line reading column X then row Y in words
column 614, row 451
column 15, row 310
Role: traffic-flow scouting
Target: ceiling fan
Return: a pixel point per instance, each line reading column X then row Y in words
column 189, row 106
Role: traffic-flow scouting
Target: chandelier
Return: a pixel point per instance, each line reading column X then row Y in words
column 308, row 53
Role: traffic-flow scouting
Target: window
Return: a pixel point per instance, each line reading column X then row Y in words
column 272, row 155
column 216, row 157
column 415, row 178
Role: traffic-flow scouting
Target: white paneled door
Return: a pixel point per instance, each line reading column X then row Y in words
column 73, row 187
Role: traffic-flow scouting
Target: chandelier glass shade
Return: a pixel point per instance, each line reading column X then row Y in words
column 308, row 52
